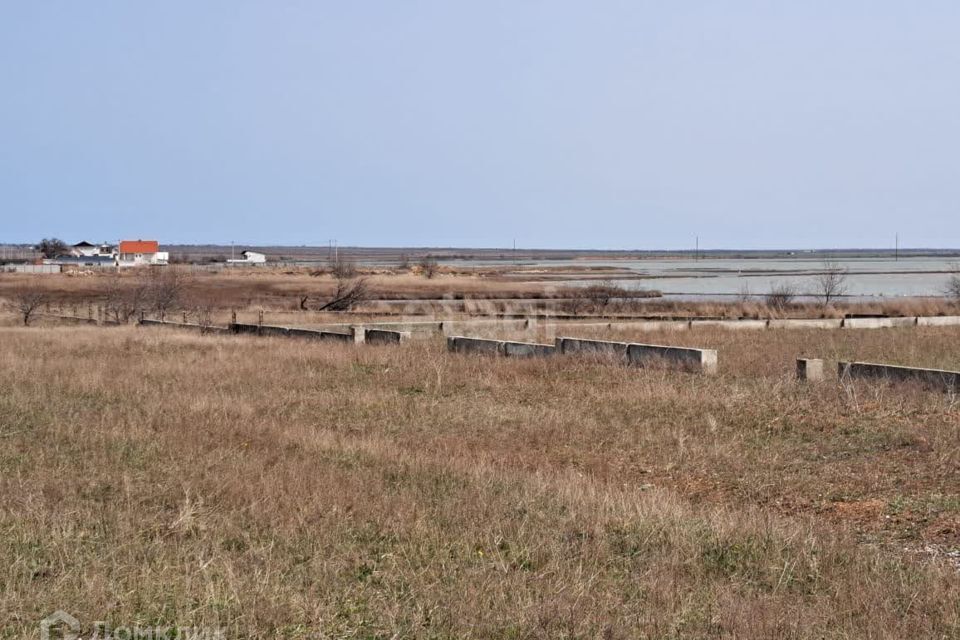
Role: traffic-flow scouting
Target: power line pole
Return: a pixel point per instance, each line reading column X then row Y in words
column 896, row 250
column 696, row 251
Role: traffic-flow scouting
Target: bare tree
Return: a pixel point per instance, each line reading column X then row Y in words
column 26, row 301
column 428, row 266
column 204, row 316
column 349, row 293
column 953, row 283
column 831, row 282
column 164, row 290
column 52, row 247
column 781, row 296
column 125, row 299
column 603, row 293
column 404, row 264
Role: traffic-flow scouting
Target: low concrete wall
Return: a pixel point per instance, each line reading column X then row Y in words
column 334, row 336
column 461, row 344
column 454, row 327
column 810, row 369
column 938, row 321
column 934, row 378
column 383, row 336
column 598, row 347
column 528, row 350
column 653, row 325
column 878, row 323
column 699, row 360
column 54, row 316
column 245, row 328
column 216, row 330
column 729, row 324
column 308, row 334
column 806, row 323
column 163, row 323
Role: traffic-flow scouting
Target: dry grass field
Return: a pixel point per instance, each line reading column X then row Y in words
column 282, row 489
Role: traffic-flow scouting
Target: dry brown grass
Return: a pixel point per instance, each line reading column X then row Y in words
column 287, row 489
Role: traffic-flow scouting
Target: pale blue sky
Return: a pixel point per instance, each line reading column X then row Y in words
column 595, row 124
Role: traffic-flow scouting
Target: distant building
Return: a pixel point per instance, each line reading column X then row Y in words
column 250, row 257
column 141, row 253
column 84, row 249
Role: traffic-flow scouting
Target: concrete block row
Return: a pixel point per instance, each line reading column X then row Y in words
column 933, row 378
column 689, row 359
column 288, row 332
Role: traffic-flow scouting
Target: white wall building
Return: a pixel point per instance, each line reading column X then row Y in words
column 250, row 257
column 141, row 253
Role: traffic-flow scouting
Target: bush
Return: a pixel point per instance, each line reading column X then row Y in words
column 781, row 296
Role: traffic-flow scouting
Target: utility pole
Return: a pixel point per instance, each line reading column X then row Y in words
column 896, row 249
column 233, row 252
column 696, row 251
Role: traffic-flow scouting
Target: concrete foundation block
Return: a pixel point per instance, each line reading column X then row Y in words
column 729, row 324
column 932, row 378
column 270, row 330
column 461, row 344
column 698, row 360
column 806, row 323
column 528, row 350
column 333, row 336
column 653, row 325
column 878, row 323
column 383, row 336
column 308, row 334
column 616, row 350
column 245, row 328
column 938, row 321
column 810, row 369
column 456, row 327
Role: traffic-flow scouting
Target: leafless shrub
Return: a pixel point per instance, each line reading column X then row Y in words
column 342, row 268
column 404, row 264
column 125, row 298
column 428, row 266
column 164, row 290
column 831, row 283
column 349, row 293
column 781, row 296
column 603, row 293
column 952, row 289
column 204, row 317
column 25, row 301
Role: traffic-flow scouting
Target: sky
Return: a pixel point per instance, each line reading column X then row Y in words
column 592, row 124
